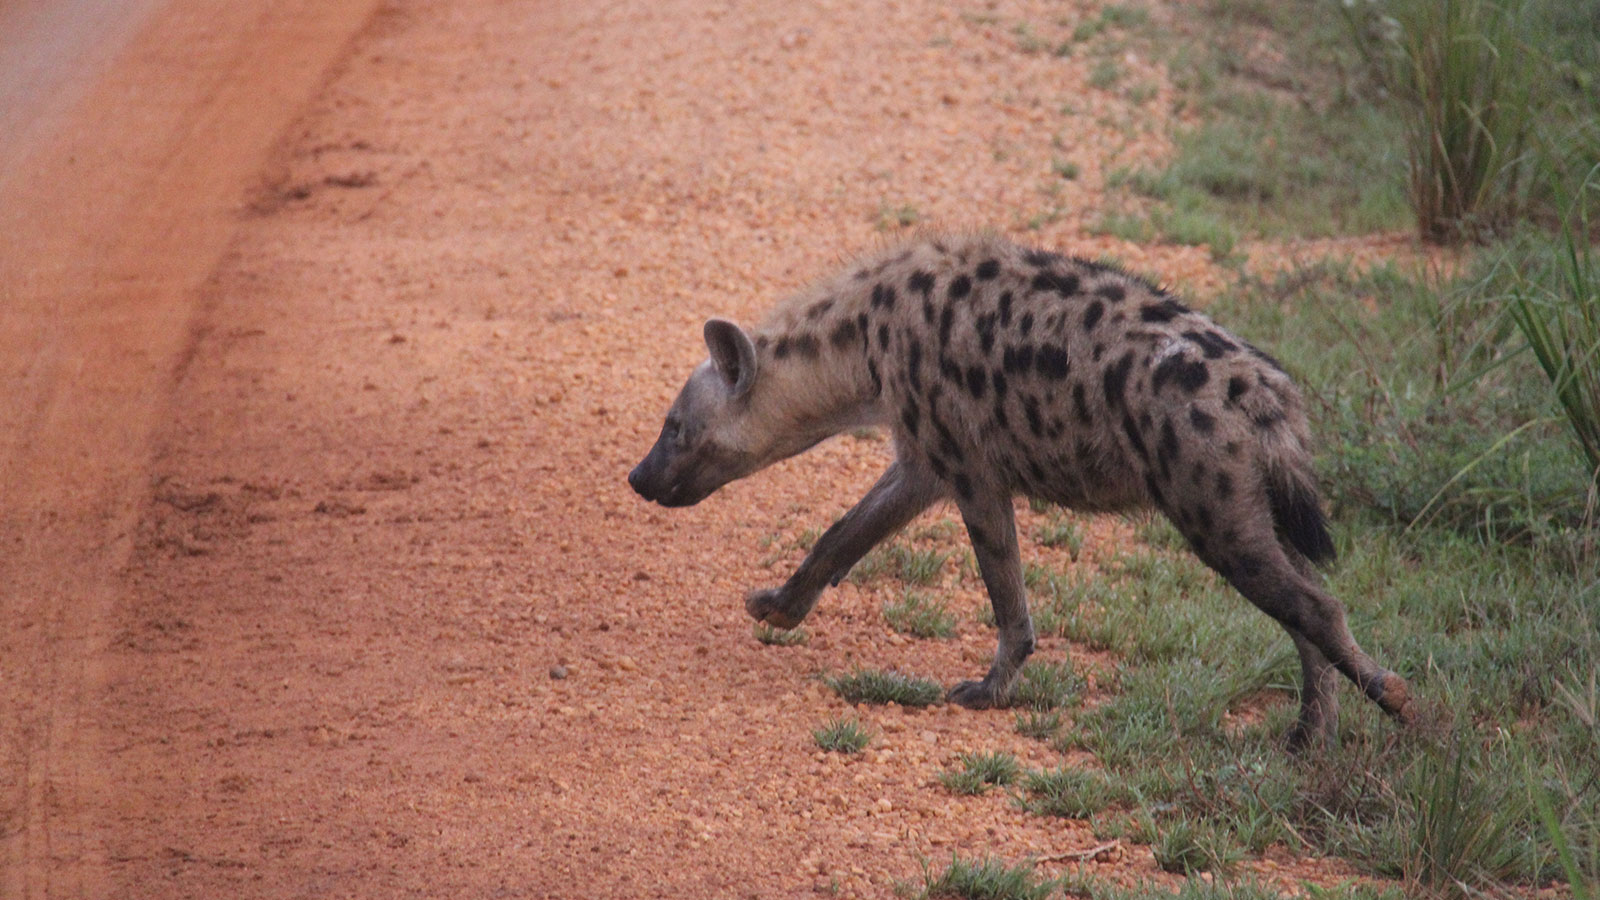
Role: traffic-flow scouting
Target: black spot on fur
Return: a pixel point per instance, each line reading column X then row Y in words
column 1064, row 284
column 977, row 381
column 999, row 379
column 1116, row 379
column 819, row 309
column 1202, row 421
column 1212, row 343
column 1236, row 388
column 1030, row 408
column 927, row 310
column 1017, row 359
column 963, row 486
column 1080, row 404
column 1224, row 485
column 1005, row 310
column 883, row 296
column 912, row 417
column 946, row 319
column 938, row 466
column 877, row 380
column 1091, row 316
column 1113, row 292
column 1099, row 350
column 986, row 332
column 883, row 336
column 1165, row 311
column 781, row 349
column 914, row 365
column 843, row 334
column 807, row 345
column 1025, row 325
column 1153, row 488
column 1000, row 419
column 1052, row 361
column 1191, row 375
column 1134, row 439
column 920, row 282
column 1267, row 419
column 1041, row 258
column 948, row 370
column 1167, row 448
column 988, row 269
column 960, row 286
column 947, row 441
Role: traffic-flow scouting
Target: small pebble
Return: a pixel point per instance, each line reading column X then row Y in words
column 558, row 672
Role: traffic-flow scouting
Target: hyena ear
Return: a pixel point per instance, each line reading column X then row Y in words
column 732, row 354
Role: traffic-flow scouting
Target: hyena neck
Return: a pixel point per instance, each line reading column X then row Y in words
column 813, row 363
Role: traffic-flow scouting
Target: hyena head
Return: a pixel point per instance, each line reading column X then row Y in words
column 717, row 430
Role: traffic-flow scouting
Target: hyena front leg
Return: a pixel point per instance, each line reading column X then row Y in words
column 904, row 491
column 992, row 525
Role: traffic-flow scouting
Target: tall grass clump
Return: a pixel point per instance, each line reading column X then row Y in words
column 1460, row 72
column 1559, row 316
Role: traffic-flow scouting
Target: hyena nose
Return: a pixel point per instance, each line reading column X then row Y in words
column 636, row 481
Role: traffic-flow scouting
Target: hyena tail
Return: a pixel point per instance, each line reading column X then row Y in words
column 1297, row 512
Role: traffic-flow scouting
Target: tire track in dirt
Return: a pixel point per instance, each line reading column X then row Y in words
column 114, row 210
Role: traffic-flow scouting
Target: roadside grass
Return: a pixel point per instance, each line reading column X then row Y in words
column 984, row 878
column 977, row 772
column 880, row 686
column 920, row 616
column 842, row 735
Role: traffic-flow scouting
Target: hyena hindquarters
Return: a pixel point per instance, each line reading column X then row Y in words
column 1003, row 371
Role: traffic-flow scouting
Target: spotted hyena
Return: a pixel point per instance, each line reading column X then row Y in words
column 1002, row 371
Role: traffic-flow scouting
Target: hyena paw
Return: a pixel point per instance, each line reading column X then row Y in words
column 975, row 695
column 768, row 606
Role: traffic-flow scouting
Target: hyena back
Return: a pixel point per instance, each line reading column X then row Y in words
column 1001, row 371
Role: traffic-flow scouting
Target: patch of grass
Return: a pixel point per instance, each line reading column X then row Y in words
column 1039, row 725
column 885, row 686
column 1131, row 227
column 1062, row 531
column 977, row 772
column 1064, row 169
column 842, row 735
column 780, row 637
column 1184, row 846
column 1046, row 686
column 1105, row 74
column 890, row 218
column 1068, row 793
column 919, row 616
column 912, row 565
column 985, row 878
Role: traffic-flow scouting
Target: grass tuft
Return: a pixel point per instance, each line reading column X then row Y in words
column 1041, row 726
column 920, row 616
column 842, row 735
column 1046, row 686
column 978, row 772
column 986, row 878
column 1068, row 793
column 884, row 686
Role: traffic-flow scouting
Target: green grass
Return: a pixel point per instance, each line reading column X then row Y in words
column 1069, row 793
column 1046, row 686
column 1185, row 846
column 842, row 735
column 920, row 616
column 985, row 878
column 977, row 772
column 884, row 686
column 1039, row 725
column 915, row 566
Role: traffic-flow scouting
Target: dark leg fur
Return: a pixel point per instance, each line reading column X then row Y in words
column 991, row 524
column 904, row 491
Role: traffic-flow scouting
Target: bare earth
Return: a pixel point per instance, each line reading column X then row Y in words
column 329, row 331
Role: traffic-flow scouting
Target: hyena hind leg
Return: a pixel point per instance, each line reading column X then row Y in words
column 900, row 495
column 1269, row 577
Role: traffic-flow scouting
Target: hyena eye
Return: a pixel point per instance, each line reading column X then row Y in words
column 673, row 430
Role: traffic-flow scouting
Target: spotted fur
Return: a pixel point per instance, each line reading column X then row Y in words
column 1006, row 371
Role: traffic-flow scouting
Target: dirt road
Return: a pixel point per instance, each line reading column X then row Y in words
column 329, row 333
